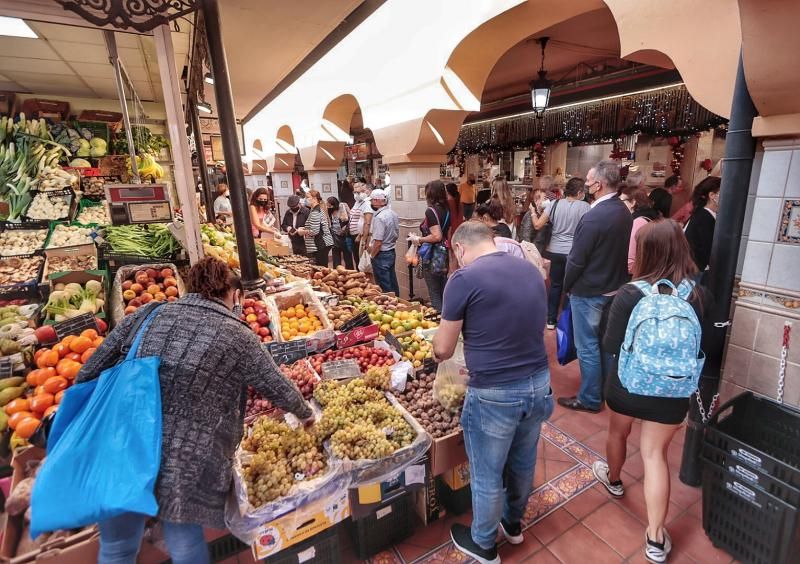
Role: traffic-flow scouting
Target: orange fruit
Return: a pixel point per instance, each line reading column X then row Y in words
column 38, row 390
column 49, row 410
column 98, row 341
column 90, row 334
column 41, row 402
column 87, row 354
column 71, row 370
column 17, row 417
column 55, row 384
column 62, row 365
column 48, row 358
column 27, row 427
column 74, row 356
column 80, row 345
column 67, row 340
column 58, row 396
column 62, row 350
column 17, row 405
column 32, row 379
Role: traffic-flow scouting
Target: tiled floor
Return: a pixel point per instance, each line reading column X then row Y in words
column 570, row 518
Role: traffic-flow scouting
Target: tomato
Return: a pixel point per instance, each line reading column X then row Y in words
column 17, row 417
column 27, row 427
column 41, row 402
column 71, row 370
column 85, row 356
column 55, row 384
column 17, row 405
column 48, row 358
column 80, row 345
column 90, row 334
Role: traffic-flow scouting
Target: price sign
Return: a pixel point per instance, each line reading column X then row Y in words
column 341, row 369
column 360, row 320
column 393, row 342
column 288, row 353
column 6, row 367
column 321, row 341
column 74, row 326
column 357, row 336
column 149, row 212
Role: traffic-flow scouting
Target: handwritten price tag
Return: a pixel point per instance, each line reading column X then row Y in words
column 288, row 353
column 357, row 336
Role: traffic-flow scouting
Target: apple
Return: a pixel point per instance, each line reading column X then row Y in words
column 249, row 311
column 127, row 285
column 263, row 332
column 262, row 319
column 254, row 327
column 248, row 302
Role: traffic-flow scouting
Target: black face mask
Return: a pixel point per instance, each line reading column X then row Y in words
column 295, row 210
column 262, row 204
column 470, row 182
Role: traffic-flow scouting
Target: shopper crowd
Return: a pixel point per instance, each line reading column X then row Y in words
column 617, row 261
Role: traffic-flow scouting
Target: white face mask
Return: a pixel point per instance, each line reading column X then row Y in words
column 359, row 196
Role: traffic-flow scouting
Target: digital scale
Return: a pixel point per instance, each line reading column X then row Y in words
column 138, row 203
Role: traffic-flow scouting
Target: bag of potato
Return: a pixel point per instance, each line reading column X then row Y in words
column 452, row 377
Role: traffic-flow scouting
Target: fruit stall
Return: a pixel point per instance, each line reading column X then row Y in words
column 385, row 440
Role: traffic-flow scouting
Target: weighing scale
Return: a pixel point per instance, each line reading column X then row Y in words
column 138, row 203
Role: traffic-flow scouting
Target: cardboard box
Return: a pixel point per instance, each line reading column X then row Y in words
column 364, row 500
column 458, row 477
column 448, row 453
column 278, row 249
column 426, row 499
column 88, row 250
column 81, row 277
column 301, row 524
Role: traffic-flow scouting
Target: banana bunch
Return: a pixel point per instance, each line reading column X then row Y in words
column 147, row 167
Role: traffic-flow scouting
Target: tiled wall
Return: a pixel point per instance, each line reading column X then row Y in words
column 769, row 293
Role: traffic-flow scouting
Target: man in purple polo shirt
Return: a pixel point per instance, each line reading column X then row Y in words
column 498, row 303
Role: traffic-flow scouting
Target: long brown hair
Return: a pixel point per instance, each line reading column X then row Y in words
column 502, row 191
column 663, row 252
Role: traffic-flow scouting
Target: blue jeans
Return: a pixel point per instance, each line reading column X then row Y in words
column 383, row 270
column 586, row 316
column 121, row 536
column 501, row 430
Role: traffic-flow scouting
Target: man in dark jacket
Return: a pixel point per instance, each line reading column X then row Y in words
column 596, row 267
column 294, row 218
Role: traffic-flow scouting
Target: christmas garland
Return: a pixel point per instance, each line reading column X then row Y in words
column 667, row 112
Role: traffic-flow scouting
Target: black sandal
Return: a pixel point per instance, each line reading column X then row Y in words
column 574, row 404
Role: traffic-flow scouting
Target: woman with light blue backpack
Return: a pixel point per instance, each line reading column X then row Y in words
column 654, row 333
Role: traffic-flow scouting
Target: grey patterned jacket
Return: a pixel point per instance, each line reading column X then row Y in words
column 208, row 358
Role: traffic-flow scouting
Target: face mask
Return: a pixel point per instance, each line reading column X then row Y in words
column 306, row 202
column 295, row 210
column 359, row 196
column 262, row 204
column 470, row 182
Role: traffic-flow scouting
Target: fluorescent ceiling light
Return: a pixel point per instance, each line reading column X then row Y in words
column 204, row 107
column 15, row 27
column 209, row 78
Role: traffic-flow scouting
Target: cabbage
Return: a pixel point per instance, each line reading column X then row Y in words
column 85, row 149
column 98, row 143
column 80, row 163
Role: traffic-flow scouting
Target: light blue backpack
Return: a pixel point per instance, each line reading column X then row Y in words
column 661, row 353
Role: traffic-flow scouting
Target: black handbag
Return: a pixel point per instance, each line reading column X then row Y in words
column 543, row 235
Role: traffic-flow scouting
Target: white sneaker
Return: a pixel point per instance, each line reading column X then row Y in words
column 551, row 326
column 656, row 552
column 600, row 470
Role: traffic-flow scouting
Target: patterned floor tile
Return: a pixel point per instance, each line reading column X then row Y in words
column 583, row 454
column 447, row 554
column 555, row 436
column 574, row 481
column 541, row 502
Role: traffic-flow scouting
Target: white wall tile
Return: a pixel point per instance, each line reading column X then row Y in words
column 756, row 262
column 774, row 171
column 793, row 181
column 784, row 267
column 766, row 216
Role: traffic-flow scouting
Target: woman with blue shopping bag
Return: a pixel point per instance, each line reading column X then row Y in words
column 151, row 426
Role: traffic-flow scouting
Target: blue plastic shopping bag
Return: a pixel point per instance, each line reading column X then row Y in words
column 565, row 337
column 104, row 449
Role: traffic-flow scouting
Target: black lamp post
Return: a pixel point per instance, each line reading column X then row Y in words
column 540, row 88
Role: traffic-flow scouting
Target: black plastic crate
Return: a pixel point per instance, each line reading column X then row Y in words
column 761, row 433
column 322, row 548
column 457, row 501
column 748, row 523
column 389, row 524
column 222, row 549
column 750, row 475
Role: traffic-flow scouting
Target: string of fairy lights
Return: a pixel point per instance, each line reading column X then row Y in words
column 665, row 112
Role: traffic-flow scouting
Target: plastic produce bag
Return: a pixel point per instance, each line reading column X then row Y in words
column 365, row 262
column 362, row 472
column 452, row 377
column 565, row 337
column 411, row 255
column 244, row 520
column 104, row 449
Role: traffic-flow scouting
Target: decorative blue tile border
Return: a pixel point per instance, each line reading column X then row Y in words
column 789, row 231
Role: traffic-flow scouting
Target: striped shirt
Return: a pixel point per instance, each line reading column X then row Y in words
column 317, row 223
column 357, row 217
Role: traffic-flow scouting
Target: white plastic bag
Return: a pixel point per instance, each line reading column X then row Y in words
column 365, row 263
column 452, row 377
